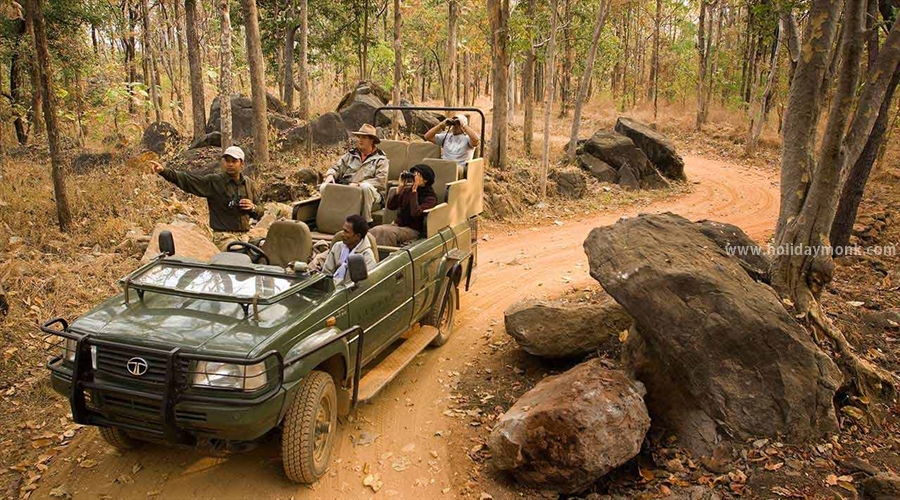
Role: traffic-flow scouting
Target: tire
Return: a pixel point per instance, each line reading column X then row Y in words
column 117, row 438
column 305, row 451
column 441, row 316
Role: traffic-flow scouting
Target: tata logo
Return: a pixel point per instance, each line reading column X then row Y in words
column 137, row 366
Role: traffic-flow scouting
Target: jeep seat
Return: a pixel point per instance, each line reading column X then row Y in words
column 286, row 242
column 445, row 172
column 418, row 151
column 338, row 202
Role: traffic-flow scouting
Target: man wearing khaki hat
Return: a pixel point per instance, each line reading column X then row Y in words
column 365, row 166
column 458, row 143
column 231, row 197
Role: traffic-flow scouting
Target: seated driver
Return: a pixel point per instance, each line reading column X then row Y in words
column 354, row 242
column 410, row 200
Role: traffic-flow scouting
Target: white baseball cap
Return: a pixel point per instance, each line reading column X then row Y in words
column 234, row 152
column 463, row 119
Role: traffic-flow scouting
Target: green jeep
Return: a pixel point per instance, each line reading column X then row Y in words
column 219, row 354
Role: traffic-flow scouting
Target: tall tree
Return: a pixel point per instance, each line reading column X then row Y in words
column 303, row 63
column 398, row 64
column 568, row 61
column 257, row 81
column 703, row 60
column 289, row 33
column 498, row 13
column 528, row 83
column 811, row 183
column 35, row 11
column 195, row 67
column 36, row 98
column 452, row 28
column 585, row 83
column 758, row 121
column 551, row 90
column 225, row 69
column 654, row 64
column 149, row 59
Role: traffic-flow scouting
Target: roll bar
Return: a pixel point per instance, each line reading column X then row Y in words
column 437, row 108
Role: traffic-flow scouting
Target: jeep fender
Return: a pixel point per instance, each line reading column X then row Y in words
column 451, row 282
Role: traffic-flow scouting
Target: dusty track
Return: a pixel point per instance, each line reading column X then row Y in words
column 409, row 413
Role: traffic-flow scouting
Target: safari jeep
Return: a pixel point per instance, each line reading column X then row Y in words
column 219, row 354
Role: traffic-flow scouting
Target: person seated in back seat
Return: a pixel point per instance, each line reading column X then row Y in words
column 458, row 143
column 410, row 200
column 354, row 241
column 365, row 166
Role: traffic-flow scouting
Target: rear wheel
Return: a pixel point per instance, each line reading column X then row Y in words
column 117, row 438
column 309, row 429
column 441, row 317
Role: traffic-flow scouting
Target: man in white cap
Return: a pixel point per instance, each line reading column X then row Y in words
column 458, row 143
column 232, row 198
column 365, row 166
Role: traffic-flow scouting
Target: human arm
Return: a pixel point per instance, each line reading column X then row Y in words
column 336, row 171
column 252, row 204
column 430, row 136
column 473, row 137
column 331, row 259
column 417, row 208
column 199, row 185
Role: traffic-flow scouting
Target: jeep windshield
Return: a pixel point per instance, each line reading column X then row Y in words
column 225, row 283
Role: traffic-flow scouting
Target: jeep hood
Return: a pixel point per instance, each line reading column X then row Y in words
column 198, row 325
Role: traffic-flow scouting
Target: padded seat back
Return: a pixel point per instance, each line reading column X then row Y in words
column 369, row 236
column 396, row 151
column 338, row 202
column 445, row 172
column 288, row 241
column 418, row 151
column 231, row 259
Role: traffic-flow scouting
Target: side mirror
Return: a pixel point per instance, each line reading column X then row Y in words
column 167, row 243
column 356, row 268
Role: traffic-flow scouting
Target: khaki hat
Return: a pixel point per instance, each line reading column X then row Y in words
column 463, row 119
column 368, row 130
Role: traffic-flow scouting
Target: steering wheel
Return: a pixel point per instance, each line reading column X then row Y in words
column 256, row 254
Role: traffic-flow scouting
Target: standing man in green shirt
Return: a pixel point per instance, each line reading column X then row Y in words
column 232, row 198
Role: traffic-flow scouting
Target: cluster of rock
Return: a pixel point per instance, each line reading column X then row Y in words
column 356, row 108
column 868, row 228
column 708, row 348
column 633, row 156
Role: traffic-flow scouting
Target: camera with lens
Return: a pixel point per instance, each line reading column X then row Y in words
column 407, row 176
column 234, row 204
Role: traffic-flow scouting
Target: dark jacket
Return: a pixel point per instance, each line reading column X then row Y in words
column 411, row 206
column 219, row 189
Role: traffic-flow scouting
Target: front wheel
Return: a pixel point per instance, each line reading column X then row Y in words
column 117, row 438
column 309, row 429
column 441, row 317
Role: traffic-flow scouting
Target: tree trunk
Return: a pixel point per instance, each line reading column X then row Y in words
column 765, row 100
column 179, row 34
column 528, row 86
column 585, row 82
column 225, row 77
column 195, row 67
column 551, row 91
column 468, row 99
column 150, row 59
column 701, row 72
column 42, row 58
column 450, row 80
column 289, row 33
column 36, row 100
column 398, row 65
column 654, row 67
column 565, row 94
column 303, row 66
column 15, row 82
column 498, row 13
column 257, row 81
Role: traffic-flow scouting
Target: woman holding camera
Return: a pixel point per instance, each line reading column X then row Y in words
column 458, row 143
column 414, row 196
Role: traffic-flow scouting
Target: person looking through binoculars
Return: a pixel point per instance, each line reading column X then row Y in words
column 458, row 143
column 411, row 199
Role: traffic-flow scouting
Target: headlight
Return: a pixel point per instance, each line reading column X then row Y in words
column 70, row 350
column 228, row 376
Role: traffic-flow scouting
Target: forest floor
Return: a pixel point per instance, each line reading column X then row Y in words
column 423, row 436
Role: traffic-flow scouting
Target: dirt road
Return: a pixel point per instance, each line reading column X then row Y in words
column 404, row 437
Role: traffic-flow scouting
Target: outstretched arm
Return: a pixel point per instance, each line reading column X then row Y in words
column 198, row 185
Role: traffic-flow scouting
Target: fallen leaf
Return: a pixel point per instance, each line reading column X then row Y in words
column 831, row 480
column 60, row 492
column 87, row 464
column 41, row 442
column 774, row 467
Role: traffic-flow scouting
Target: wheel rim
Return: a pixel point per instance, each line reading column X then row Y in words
column 322, row 431
column 447, row 314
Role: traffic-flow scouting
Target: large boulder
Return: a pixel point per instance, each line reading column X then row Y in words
column 718, row 352
column 562, row 329
column 598, row 168
column 242, row 116
column 570, row 183
column 361, row 110
column 419, row 121
column 881, row 487
column 619, row 151
column 735, row 242
column 365, row 87
column 656, row 146
column 160, row 137
column 571, row 429
column 327, row 130
column 190, row 241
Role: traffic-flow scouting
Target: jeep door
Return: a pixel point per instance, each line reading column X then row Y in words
column 382, row 304
column 427, row 256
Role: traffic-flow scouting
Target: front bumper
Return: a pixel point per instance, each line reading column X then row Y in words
column 164, row 407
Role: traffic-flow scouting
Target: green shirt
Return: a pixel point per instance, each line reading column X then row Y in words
column 220, row 191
